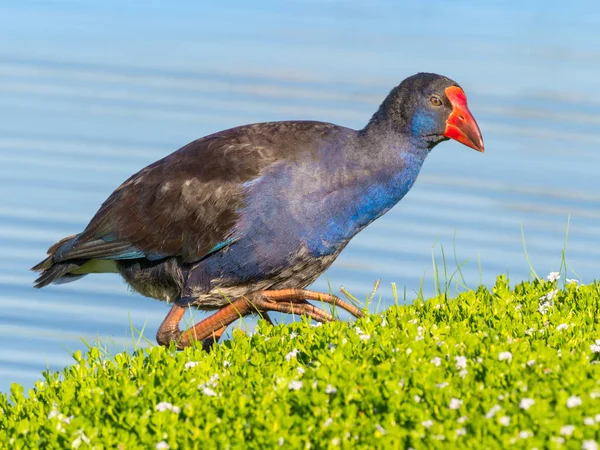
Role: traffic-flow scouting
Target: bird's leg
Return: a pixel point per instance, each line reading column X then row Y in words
column 210, row 341
column 297, row 308
column 242, row 307
column 300, row 309
column 290, row 301
column 211, row 328
column 301, row 295
column 169, row 330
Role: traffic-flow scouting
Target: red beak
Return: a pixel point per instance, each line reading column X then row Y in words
column 461, row 125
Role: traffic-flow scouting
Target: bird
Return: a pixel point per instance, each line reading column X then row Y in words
column 242, row 221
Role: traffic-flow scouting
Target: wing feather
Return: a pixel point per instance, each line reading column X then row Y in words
column 187, row 204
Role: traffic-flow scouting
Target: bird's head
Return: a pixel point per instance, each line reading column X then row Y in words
column 430, row 108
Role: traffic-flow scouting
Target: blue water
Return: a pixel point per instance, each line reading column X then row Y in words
column 90, row 92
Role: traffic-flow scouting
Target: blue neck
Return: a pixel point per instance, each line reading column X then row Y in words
column 389, row 175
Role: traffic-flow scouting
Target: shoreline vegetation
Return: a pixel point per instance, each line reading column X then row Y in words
column 489, row 368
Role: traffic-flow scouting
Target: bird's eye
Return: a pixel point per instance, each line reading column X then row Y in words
column 435, row 100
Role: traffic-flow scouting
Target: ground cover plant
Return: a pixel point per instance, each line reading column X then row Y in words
column 486, row 369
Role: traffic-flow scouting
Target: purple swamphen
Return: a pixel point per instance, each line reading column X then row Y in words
column 243, row 220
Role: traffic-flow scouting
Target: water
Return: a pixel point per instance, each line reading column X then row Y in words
column 92, row 92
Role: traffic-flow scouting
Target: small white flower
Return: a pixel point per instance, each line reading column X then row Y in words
column 335, row 442
column 544, row 307
column 291, row 354
column 461, row 431
column 162, row 445
column 436, row 361
column 531, row 362
column 562, row 326
column 461, row 362
column 438, row 306
column 504, row 420
column 427, row 423
column 380, row 428
column 208, row 392
column 383, row 322
column 526, row 403
column 166, row 406
column 518, row 307
column 190, row 364
column 572, row 281
column 595, row 347
column 413, row 321
column 455, row 403
column 558, row 439
column 417, row 398
column 226, row 364
column 331, row 347
column 463, row 373
column 442, row 385
column 79, row 439
column 597, row 418
column 293, row 335
column 295, row 385
column 358, row 331
column 364, row 337
column 280, row 441
column 589, row 445
column 408, row 351
column 525, row 434
column 553, row 276
column 529, row 331
column 328, row 422
column 550, row 295
column 330, row 389
column 492, row 412
column 573, row 401
column 505, row 356
column 462, row 419
column 567, row 430
column 300, row 370
column 588, row 421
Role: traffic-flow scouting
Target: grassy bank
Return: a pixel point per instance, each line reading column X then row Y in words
column 484, row 370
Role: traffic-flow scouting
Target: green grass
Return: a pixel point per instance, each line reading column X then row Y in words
column 484, row 370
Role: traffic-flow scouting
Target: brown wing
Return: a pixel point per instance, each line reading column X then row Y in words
column 186, row 203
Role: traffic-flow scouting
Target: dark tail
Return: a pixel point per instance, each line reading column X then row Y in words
column 57, row 271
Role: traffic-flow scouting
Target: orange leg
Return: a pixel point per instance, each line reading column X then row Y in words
column 296, row 295
column 209, row 330
column 211, row 340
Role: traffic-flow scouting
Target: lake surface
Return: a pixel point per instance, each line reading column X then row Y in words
column 91, row 92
